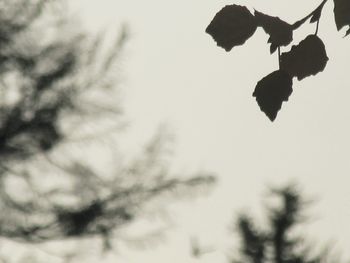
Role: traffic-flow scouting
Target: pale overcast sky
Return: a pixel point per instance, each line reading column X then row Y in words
column 174, row 73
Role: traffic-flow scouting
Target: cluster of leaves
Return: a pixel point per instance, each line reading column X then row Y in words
column 50, row 89
column 276, row 244
column 234, row 25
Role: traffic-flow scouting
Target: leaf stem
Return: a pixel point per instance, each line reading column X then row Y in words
column 279, row 57
column 317, row 26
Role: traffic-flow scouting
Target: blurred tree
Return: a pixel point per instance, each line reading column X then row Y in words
column 277, row 242
column 59, row 109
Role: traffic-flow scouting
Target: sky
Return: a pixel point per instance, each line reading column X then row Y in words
column 174, row 74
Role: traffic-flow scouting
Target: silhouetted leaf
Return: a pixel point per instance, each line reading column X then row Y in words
column 281, row 33
column 273, row 48
column 232, row 26
column 342, row 14
column 307, row 58
column 271, row 91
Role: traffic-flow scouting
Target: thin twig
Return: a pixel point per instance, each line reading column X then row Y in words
column 317, row 25
column 302, row 21
column 279, row 57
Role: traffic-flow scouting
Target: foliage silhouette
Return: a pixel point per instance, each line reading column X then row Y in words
column 276, row 242
column 53, row 93
column 234, row 24
column 341, row 12
column 279, row 84
column 305, row 59
column 280, row 32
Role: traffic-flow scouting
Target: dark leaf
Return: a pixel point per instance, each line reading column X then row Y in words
column 281, row 33
column 271, row 91
column 273, row 48
column 307, row 58
column 232, row 26
column 342, row 14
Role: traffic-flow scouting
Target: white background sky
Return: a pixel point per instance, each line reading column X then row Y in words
column 175, row 74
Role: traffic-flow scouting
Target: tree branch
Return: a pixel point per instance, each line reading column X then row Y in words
column 302, row 21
